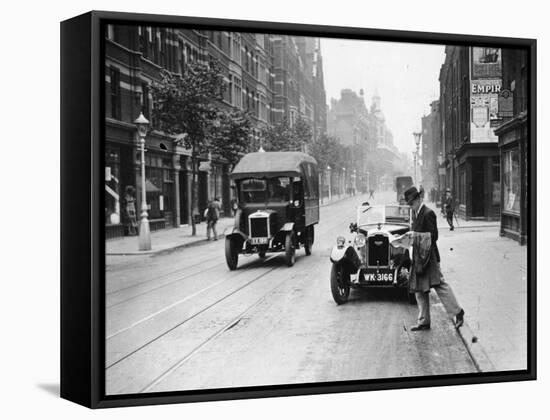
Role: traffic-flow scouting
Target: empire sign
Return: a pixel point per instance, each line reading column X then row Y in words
column 485, row 89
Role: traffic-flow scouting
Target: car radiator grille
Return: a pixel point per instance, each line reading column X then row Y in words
column 378, row 250
column 258, row 227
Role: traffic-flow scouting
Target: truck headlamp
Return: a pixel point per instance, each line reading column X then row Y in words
column 360, row 240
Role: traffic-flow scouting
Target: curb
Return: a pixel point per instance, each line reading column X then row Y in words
column 469, row 227
column 336, row 201
column 476, row 351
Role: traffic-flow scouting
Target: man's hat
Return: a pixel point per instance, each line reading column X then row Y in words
column 448, row 190
column 411, row 194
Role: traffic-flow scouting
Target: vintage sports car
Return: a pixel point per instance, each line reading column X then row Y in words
column 278, row 205
column 369, row 259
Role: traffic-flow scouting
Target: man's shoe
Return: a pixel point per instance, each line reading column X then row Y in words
column 420, row 327
column 452, row 228
column 459, row 319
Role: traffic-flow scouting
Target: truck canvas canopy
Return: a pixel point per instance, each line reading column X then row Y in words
column 271, row 164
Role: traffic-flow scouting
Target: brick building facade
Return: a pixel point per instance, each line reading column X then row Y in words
column 470, row 79
column 270, row 77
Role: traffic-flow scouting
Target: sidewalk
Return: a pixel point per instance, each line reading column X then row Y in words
column 462, row 224
column 488, row 274
column 166, row 239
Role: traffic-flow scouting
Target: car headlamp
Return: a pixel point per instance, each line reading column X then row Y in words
column 340, row 241
column 360, row 240
column 296, row 203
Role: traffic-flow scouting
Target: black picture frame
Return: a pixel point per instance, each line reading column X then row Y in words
column 82, row 233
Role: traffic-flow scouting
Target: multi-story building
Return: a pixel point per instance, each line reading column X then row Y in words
column 431, row 149
column 250, row 63
column 513, row 141
column 299, row 83
column 470, row 80
column 353, row 124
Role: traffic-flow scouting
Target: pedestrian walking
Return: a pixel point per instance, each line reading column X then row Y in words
column 234, row 206
column 371, row 193
column 212, row 216
column 449, row 208
column 426, row 270
column 130, row 210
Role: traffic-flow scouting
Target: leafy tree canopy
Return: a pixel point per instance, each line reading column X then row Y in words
column 186, row 104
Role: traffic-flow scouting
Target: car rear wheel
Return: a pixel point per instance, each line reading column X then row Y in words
column 290, row 249
column 339, row 284
column 231, row 253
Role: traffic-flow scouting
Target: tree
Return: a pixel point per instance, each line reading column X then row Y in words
column 327, row 151
column 186, row 105
column 231, row 140
column 282, row 137
column 302, row 133
column 279, row 137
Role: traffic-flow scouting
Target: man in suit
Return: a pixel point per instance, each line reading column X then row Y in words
column 424, row 221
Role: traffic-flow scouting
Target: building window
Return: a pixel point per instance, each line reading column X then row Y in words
column 110, row 32
column 181, row 57
column 237, row 92
column 114, row 74
column 495, row 175
column 511, row 181
column 145, row 102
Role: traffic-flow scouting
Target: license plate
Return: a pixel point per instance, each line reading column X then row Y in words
column 258, row 241
column 379, row 277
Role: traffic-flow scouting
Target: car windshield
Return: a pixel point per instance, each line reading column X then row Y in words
column 372, row 215
column 255, row 190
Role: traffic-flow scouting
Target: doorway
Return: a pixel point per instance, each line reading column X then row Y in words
column 478, row 187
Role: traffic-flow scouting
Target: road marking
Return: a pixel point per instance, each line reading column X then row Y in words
column 164, row 309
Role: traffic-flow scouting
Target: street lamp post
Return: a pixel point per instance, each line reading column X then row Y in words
column 329, row 183
column 144, row 239
column 417, row 136
column 440, row 161
column 344, row 182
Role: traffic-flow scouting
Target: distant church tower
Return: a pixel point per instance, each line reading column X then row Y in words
column 375, row 105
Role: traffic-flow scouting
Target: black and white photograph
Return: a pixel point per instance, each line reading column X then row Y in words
column 285, row 210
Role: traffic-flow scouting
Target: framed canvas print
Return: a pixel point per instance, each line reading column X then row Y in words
column 255, row 209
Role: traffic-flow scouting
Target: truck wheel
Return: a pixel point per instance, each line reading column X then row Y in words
column 231, row 253
column 339, row 284
column 290, row 249
column 310, row 233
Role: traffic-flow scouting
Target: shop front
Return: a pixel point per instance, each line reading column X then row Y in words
column 512, row 144
column 477, row 182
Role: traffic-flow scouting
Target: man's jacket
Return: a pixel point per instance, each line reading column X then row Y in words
column 427, row 275
column 426, row 221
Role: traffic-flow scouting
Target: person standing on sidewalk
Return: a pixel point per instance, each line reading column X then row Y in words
column 212, row 216
column 449, row 208
column 429, row 275
column 130, row 210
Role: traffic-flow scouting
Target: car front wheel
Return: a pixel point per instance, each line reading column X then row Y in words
column 339, row 284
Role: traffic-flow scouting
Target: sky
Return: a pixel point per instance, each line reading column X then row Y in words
column 405, row 75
